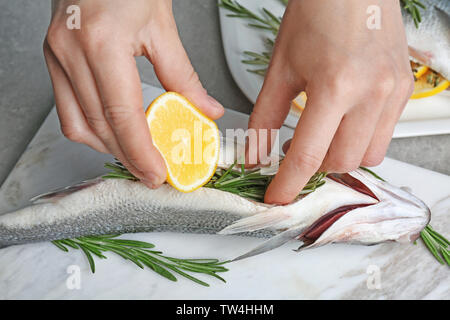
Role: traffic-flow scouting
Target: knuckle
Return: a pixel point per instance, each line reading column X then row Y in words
column 337, row 84
column 191, row 83
column 193, row 78
column 259, row 119
column 46, row 48
column 372, row 159
column 55, row 39
column 118, row 115
column 345, row 164
column 385, row 85
column 306, row 160
column 96, row 36
column 98, row 124
column 339, row 87
column 73, row 133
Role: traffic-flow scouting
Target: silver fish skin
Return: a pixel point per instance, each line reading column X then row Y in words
column 430, row 43
column 121, row 206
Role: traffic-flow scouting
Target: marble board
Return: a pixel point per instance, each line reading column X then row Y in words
column 386, row 271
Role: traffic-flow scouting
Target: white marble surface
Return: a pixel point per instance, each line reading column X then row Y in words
column 39, row 271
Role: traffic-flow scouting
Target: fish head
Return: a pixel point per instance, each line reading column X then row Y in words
column 397, row 216
column 354, row 207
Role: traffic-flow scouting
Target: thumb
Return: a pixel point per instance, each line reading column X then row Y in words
column 175, row 72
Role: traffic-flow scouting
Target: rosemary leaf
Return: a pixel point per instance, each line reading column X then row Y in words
column 140, row 254
column 89, row 257
column 59, row 245
column 446, row 254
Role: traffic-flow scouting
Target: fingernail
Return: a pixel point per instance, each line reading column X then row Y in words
column 215, row 103
column 148, row 183
column 152, row 180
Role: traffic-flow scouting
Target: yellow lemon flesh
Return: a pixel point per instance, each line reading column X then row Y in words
column 429, row 84
column 188, row 141
column 300, row 101
column 418, row 69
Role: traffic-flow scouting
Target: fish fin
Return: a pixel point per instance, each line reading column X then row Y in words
column 60, row 193
column 406, row 188
column 256, row 222
column 272, row 243
column 305, row 245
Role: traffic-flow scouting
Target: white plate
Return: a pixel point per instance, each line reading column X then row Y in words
column 40, row 270
column 428, row 116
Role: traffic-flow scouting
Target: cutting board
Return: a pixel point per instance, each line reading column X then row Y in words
column 41, row 271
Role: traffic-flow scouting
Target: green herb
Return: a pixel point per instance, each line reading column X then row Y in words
column 257, row 59
column 433, row 78
column 435, row 242
column 266, row 20
column 412, row 7
column 141, row 254
column 372, row 173
column 250, row 184
column 118, row 171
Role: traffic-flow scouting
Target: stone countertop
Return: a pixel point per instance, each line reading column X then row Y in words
column 26, row 93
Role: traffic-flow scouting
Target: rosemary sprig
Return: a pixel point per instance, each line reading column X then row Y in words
column 250, row 184
column 412, row 7
column 254, row 58
column 435, row 242
column 118, row 171
column 266, row 21
column 141, row 254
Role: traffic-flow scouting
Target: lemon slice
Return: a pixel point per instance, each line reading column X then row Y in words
column 298, row 104
column 418, row 69
column 429, row 84
column 188, row 141
column 300, row 101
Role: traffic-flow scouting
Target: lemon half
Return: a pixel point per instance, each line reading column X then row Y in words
column 188, row 141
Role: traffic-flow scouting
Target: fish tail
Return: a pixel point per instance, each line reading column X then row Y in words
column 274, row 218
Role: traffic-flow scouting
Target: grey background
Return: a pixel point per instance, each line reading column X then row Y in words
column 26, row 93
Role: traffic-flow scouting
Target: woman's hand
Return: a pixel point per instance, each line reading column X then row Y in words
column 96, row 82
column 357, row 82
